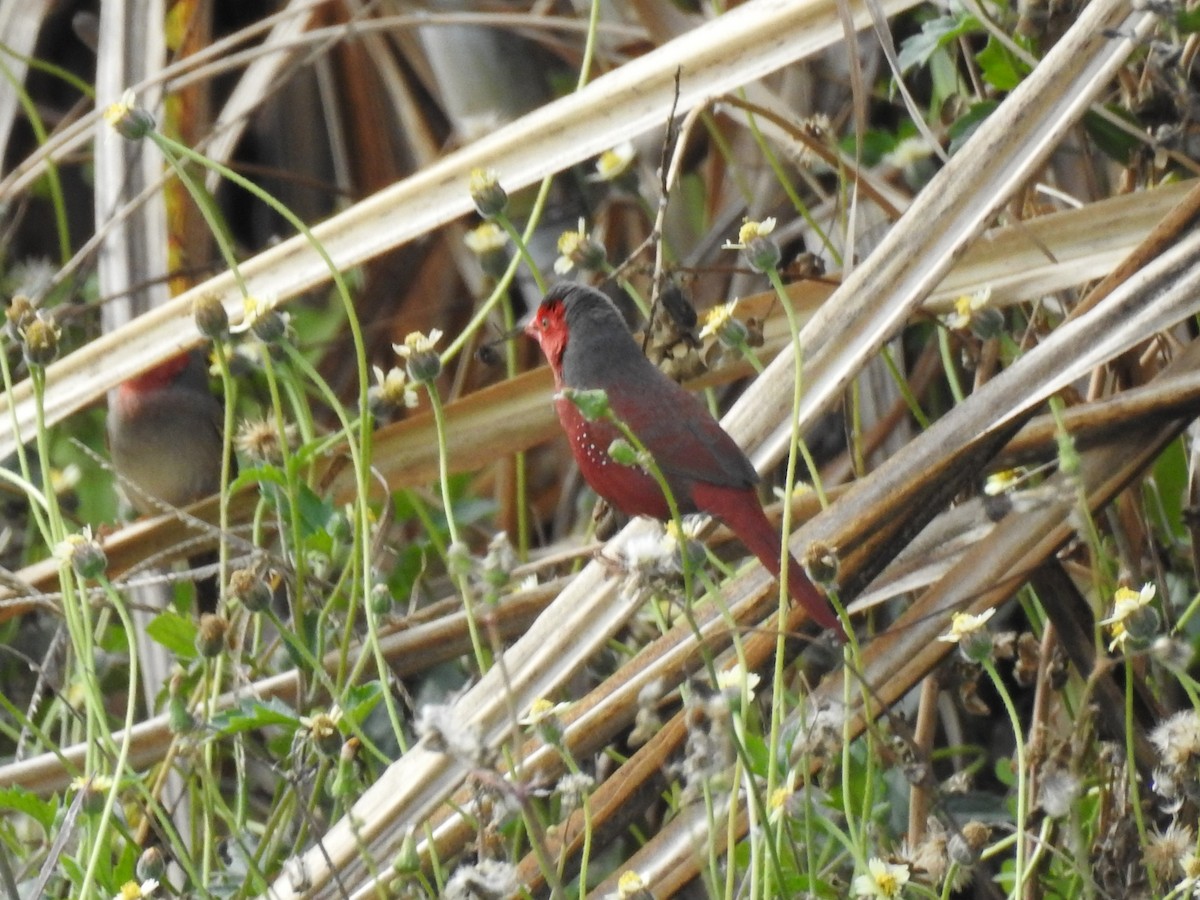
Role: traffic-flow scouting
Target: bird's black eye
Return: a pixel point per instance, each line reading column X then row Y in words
column 545, row 323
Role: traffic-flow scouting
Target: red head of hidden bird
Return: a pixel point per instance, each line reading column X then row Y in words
column 164, row 434
column 588, row 347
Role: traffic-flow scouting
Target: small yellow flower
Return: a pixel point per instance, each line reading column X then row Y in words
column 82, row 552
column 778, row 801
column 1001, row 482
column 131, row 890
column 489, row 197
column 1127, row 601
column 115, row 112
column 676, row 533
column 762, row 253
column 260, row 316
column 1127, row 615
column 568, row 244
column 323, row 730
column 717, row 319
column 485, row 238
column 65, row 479
column 423, row 363
column 92, row 792
column 393, row 388
column 736, row 679
column 615, row 162
column 964, row 625
column 883, row 879
column 631, row 885
column 418, row 342
column 1191, row 868
column 578, row 248
column 127, row 119
column 65, row 549
column 751, row 230
column 542, row 709
column 965, row 308
column 255, row 307
column 99, row 783
column 18, row 315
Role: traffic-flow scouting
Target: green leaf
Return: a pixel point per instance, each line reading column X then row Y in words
column 315, row 512
column 999, row 67
column 259, row 475
column 756, row 750
column 1114, row 141
column 875, row 146
column 1187, row 21
column 358, row 702
column 966, row 124
column 251, row 714
column 175, row 632
column 1005, row 772
column 934, row 35
column 592, row 404
column 22, row 801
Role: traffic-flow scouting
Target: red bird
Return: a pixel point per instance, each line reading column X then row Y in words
column 588, row 347
column 164, row 433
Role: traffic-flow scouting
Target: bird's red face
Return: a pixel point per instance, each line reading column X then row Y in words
column 549, row 328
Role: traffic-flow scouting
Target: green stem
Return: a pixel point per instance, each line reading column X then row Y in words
column 523, row 250
column 1022, row 801
column 482, row 657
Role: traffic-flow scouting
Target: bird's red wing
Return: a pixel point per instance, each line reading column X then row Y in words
column 681, row 435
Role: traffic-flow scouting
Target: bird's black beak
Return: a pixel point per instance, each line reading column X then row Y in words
column 489, row 353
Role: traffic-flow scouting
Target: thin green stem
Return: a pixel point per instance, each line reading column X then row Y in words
column 482, row 657
column 949, row 367
column 523, row 250
column 1022, row 800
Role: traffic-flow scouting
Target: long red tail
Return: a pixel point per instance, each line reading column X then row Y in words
column 739, row 509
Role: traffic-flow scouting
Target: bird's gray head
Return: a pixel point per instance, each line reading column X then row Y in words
column 599, row 343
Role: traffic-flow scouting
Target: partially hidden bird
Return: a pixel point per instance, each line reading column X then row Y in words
column 588, row 346
column 165, row 437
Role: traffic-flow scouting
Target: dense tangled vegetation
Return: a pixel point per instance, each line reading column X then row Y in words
column 939, row 279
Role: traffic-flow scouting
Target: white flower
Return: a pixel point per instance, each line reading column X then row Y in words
column 963, row 625
column 735, row 680
column 777, row 803
column 542, row 709
column 717, row 319
column 578, row 248
column 908, row 152
column 394, row 388
column 418, row 342
column 485, row 238
column 1127, row 601
column 631, row 885
column 749, row 231
column 1001, row 482
column 883, row 879
column 131, row 890
column 1127, row 604
column 613, row 163
column 965, row 307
